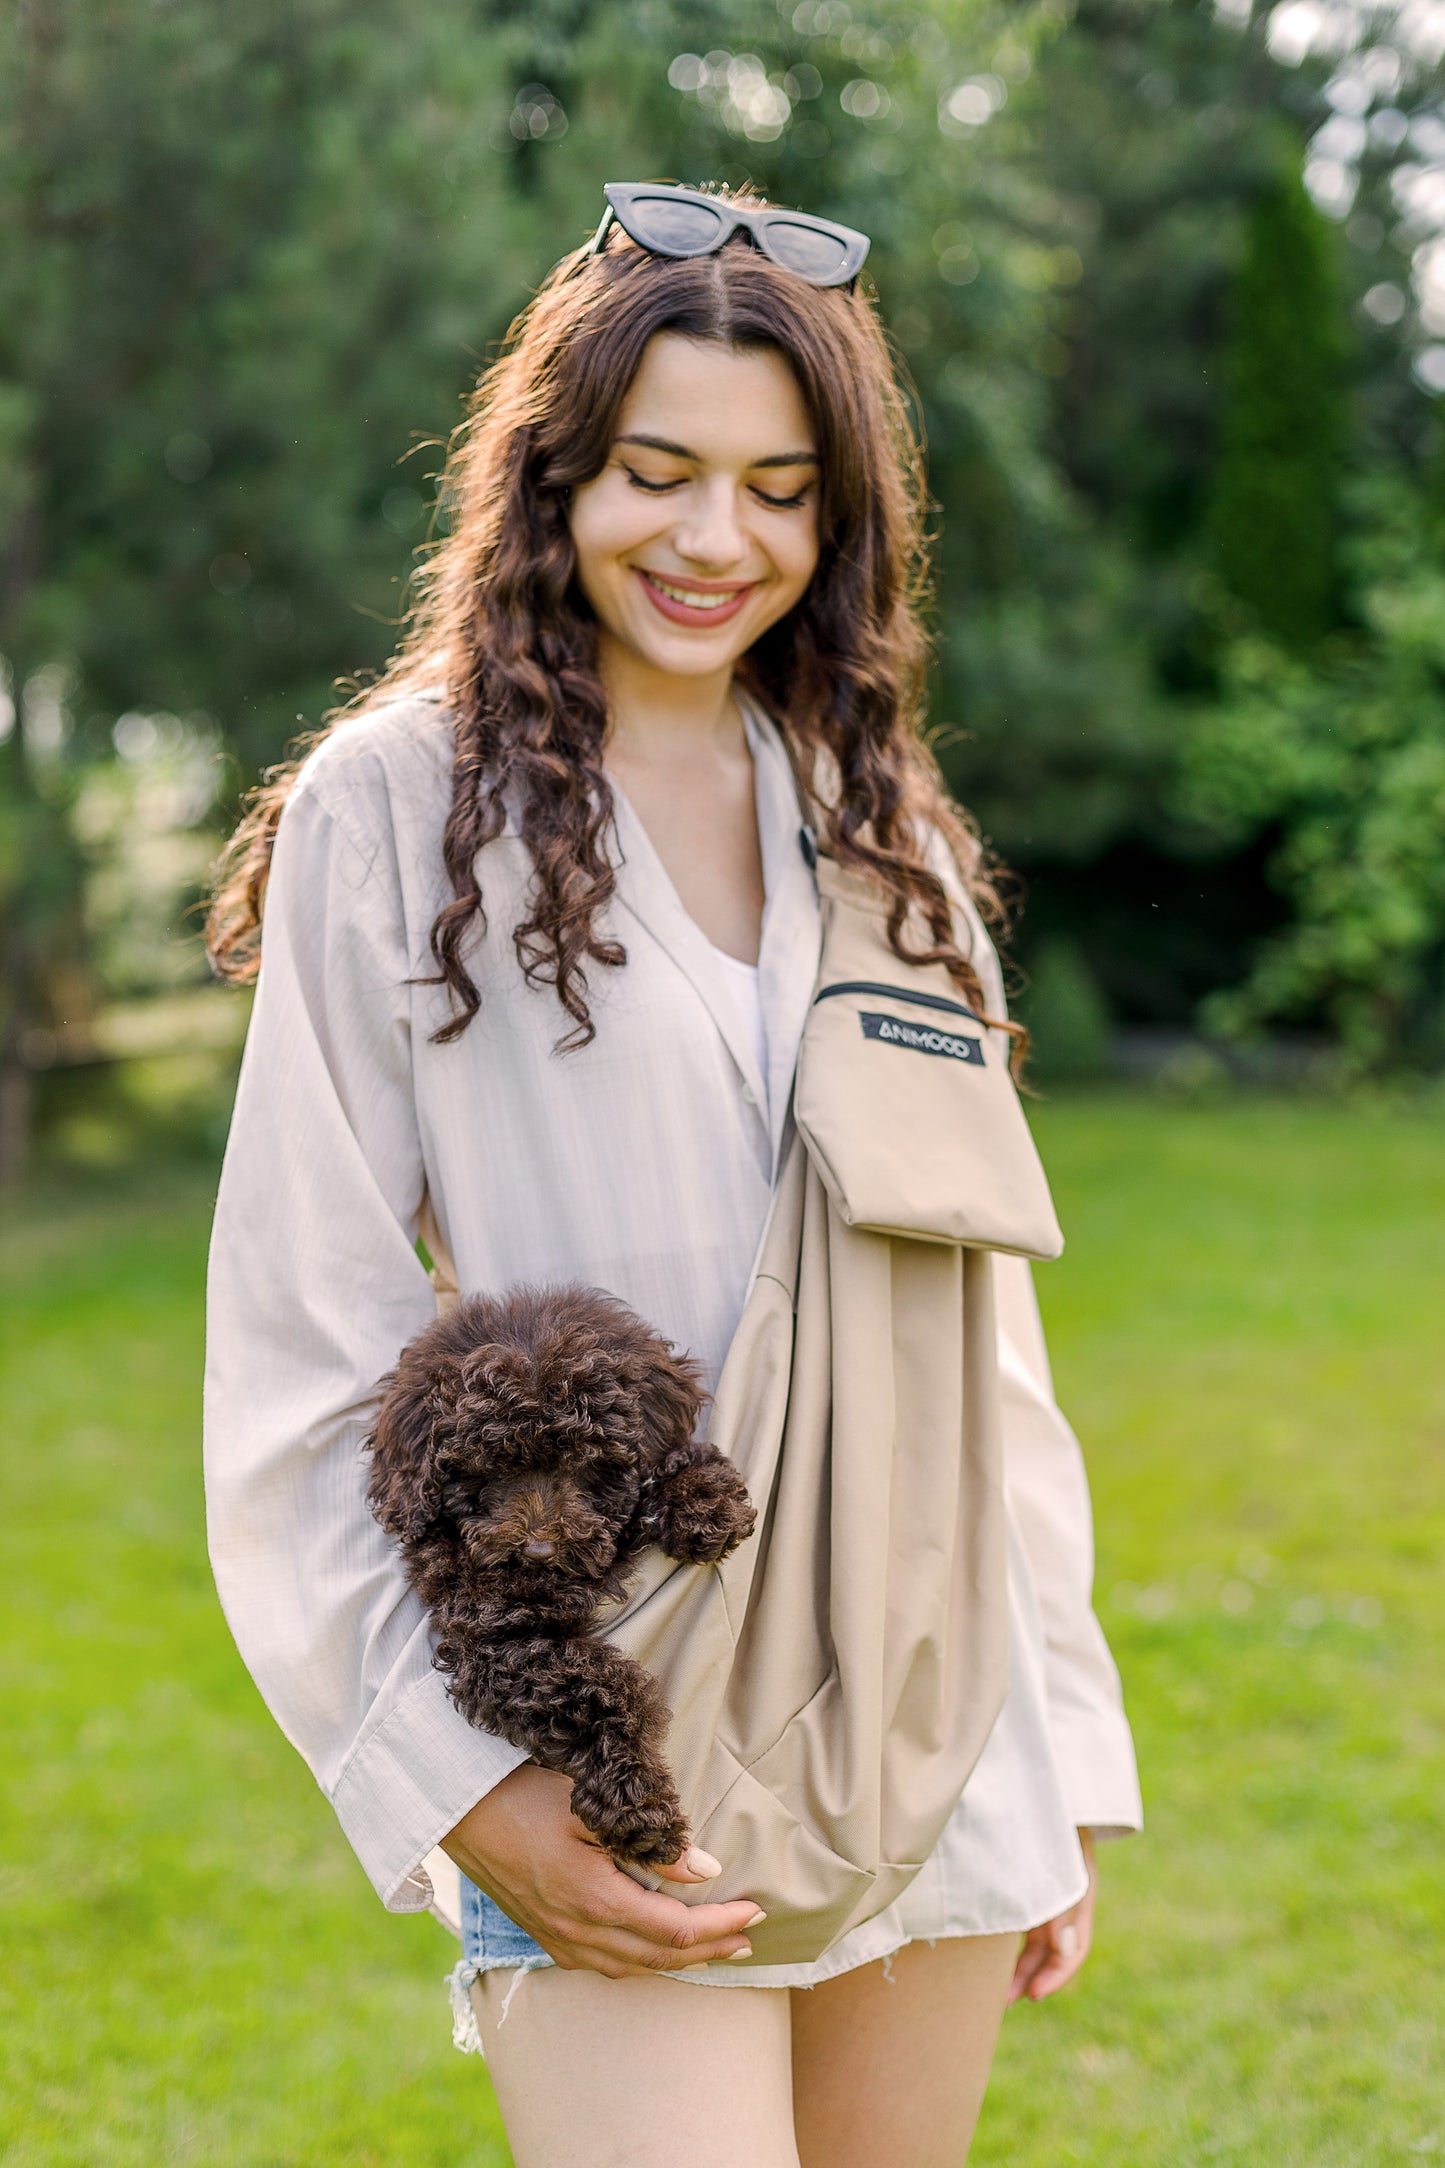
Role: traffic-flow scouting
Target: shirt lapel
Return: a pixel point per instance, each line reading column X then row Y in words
column 645, row 890
column 792, row 923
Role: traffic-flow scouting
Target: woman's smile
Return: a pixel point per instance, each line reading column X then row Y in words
column 688, row 601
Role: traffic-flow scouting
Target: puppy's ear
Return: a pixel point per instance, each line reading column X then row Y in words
column 415, row 1419
column 672, row 1400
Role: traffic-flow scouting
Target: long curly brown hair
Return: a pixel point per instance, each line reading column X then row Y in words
column 499, row 628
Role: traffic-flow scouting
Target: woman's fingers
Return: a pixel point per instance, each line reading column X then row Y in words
column 1063, row 1957
column 1053, row 1953
column 620, row 1921
column 675, row 1933
column 1050, row 1957
column 696, row 1865
column 604, row 1946
column 1031, row 1960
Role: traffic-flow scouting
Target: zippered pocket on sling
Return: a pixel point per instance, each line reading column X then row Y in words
column 896, row 993
column 921, row 1037
column 904, row 1099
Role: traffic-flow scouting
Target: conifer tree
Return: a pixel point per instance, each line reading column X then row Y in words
column 1272, row 514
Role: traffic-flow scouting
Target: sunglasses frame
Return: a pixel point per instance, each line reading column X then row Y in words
column 622, row 196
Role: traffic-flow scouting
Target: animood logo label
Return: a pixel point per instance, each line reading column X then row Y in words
column 922, row 1038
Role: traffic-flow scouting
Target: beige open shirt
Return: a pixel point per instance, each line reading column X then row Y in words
column 642, row 1164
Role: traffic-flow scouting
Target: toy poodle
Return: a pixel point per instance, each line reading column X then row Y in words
column 527, row 1448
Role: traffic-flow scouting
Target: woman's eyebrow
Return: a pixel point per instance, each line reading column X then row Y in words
column 680, row 451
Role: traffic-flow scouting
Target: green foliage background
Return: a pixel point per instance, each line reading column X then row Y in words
column 1191, row 675
column 252, row 258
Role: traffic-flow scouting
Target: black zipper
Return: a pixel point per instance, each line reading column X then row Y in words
column 897, row 993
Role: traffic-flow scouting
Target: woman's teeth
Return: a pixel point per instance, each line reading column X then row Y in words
column 691, row 597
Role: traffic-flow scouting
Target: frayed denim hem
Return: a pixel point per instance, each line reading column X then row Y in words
column 465, row 2036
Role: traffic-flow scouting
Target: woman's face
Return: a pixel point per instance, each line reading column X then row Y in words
column 702, row 528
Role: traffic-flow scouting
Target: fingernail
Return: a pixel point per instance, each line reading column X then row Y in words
column 702, row 1863
column 756, row 1920
column 735, row 1955
column 1068, row 1940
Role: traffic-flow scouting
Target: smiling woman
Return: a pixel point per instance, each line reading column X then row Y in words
column 504, row 626
column 654, row 727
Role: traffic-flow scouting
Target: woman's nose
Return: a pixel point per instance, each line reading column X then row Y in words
column 710, row 534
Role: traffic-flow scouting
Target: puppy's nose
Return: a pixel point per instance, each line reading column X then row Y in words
column 539, row 1547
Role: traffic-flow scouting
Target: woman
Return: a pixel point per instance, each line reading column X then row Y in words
column 541, row 932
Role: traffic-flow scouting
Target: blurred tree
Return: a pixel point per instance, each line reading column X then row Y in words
column 1274, row 510
column 245, row 251
column 255, row 246
column 42, row 975
column 1339, row 760
column 1070, row 1030
column 1162, row 126
column 252, row 257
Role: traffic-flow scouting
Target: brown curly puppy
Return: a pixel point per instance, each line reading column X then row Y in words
column 527, row 1448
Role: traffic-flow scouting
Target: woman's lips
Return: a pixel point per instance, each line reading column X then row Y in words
column 688, row 613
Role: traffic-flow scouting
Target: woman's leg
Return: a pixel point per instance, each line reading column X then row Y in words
column 895, row 2069
column 639, row 2073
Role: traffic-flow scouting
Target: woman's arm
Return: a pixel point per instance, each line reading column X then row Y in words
column 1048, row 1493
column 1049, row 1497
column 314, row 1286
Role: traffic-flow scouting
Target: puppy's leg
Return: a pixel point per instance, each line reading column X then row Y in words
column 583, row 1708
column 703, row 1509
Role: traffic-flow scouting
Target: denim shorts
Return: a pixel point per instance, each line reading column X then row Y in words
column 491, row 1941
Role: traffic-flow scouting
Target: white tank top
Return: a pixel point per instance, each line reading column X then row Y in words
column 743, row 986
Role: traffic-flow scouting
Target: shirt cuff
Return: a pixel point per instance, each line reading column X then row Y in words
column 410, row 1780
column 1094, row 1755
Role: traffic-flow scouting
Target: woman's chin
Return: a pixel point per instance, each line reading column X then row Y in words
column 685, row 654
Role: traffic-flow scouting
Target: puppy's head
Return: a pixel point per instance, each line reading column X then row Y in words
column 520, row 1431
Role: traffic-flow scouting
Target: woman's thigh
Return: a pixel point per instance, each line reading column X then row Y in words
column 639, row 2073
column 894, row 2069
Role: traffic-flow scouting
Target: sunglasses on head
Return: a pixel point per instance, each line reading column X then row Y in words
column 670, row 221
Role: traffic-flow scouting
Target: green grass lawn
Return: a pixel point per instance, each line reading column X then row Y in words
column 1247, row 1330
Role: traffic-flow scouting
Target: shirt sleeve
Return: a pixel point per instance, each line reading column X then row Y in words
column 314, row 1286
column 1048, row 1494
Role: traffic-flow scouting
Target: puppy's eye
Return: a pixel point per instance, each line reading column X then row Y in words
column 465, row 1495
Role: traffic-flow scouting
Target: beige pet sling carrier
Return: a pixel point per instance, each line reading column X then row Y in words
column 834, row 1681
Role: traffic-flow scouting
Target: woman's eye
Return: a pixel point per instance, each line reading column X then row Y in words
column 781, row 504
column 654, row 489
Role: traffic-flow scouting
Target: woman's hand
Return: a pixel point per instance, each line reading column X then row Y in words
column 524, row 1846
column 1053, row 1953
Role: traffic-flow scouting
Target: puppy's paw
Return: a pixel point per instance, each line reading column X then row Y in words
column 650, row 1842
column 705, row 1512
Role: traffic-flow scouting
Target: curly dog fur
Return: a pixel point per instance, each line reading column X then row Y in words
column 526, row 1449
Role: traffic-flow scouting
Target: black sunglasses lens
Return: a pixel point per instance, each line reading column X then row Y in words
column 811, row 251
column 673, row 227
